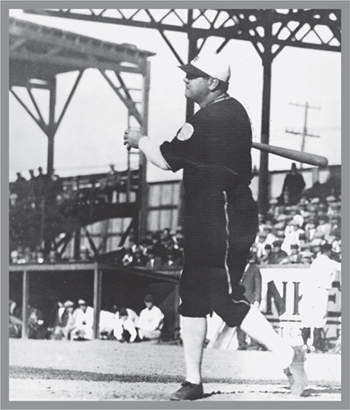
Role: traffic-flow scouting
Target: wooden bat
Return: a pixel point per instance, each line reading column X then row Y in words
column 298, row 156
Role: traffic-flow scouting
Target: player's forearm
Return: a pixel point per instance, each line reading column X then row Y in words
column 153, row 153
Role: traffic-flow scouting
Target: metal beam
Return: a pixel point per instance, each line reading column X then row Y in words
column 240, row 24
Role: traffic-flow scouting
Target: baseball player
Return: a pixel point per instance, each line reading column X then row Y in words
column 314, row 301
column 220, row 221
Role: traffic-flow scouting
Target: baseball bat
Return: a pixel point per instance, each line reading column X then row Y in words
column 298, row 156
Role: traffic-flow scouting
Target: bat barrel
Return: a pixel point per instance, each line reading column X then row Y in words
column 299, row 156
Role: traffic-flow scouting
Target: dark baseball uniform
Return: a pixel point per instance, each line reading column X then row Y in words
column 220, row 215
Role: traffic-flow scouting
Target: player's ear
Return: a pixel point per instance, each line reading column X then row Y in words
column 213, row 83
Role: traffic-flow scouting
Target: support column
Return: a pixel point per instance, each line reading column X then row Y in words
column 51, row 126
column 25, row 283
column 143, row 161
column 192, row 52
column 97, row 300
column 264, row 178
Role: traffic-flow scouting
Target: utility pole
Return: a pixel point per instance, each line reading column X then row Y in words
column 304, row 133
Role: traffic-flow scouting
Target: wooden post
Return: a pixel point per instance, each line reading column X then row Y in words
column 25, row 304
column 97, row 300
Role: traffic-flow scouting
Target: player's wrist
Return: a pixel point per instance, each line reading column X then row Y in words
column 144, row 140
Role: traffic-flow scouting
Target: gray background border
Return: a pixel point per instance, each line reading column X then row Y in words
column 4, row 166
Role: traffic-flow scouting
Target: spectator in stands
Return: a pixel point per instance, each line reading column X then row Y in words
column 314, row 301
column 252, row 282
column 277, row 254
column 173, row 258
column 306, row 257
column 41, row 184
column 315, row 246
column 260, row 244
column 324, row 227
column 83, row 318
column 110, row 184
column 294, row 256
column 310, row 229
column 265, row 260
column 268, row 230
column 165, row 240
column 125, row 328
column 153, row 261
column 27, row 254
column 273, row 210
column 53, row 257
column 292, row 238
column 20, row 187
column 137, row 258
column 32, row 188
column 151, row 320
column 292, row 187
column 20, row 255
column 84, row 254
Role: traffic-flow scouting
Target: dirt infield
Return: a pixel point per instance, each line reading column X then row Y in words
column 48, row 370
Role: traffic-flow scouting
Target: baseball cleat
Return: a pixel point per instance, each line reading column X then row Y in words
column 296, row 372
column 188, row 391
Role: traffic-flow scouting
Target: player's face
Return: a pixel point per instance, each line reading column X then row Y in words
column 197, row 88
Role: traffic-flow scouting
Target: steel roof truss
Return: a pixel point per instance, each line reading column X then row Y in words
column 40, row 123
column 129, row 103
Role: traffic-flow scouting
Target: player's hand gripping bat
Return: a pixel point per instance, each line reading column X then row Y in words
column 298, row 156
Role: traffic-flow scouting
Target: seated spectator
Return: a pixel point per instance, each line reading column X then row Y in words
column 260, row 244
column 83, row 319
column 324, row 227
column 315, row 246
column 310, row 229
column 151, row 320
column 294, row 256
column 270, row 237
column 53, row 257
column 173, row 258
column 138, row 258
column 277, row 254
column 306, row 257
column 302, row 241
column 292, row 238
column 164, row 241
column 265, row 259
column 126, row 326
column 153, row 261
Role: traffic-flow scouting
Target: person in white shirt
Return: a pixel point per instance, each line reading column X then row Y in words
column 314, row 301
column 151, row 320
column 125, row 328
column 83, row 319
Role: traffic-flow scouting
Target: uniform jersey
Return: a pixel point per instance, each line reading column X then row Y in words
column 220, row 215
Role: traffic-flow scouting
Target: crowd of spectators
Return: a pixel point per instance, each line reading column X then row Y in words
column 294, row 233
column 288, row 234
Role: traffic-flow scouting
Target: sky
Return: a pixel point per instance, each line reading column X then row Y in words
column 90, row 136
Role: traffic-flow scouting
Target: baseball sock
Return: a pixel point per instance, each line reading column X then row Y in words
column 257, row 327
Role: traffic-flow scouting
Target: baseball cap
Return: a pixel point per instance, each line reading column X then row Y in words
column 148, row 298
column 325, row 247
column 81, row 302
column 212, row 64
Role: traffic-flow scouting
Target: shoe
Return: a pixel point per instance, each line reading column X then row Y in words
column 296, row 372
column 188, row 391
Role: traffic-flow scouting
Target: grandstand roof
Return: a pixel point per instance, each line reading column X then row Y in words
column 41, row 52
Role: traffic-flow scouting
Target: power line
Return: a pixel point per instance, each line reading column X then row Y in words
column 304, row 133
